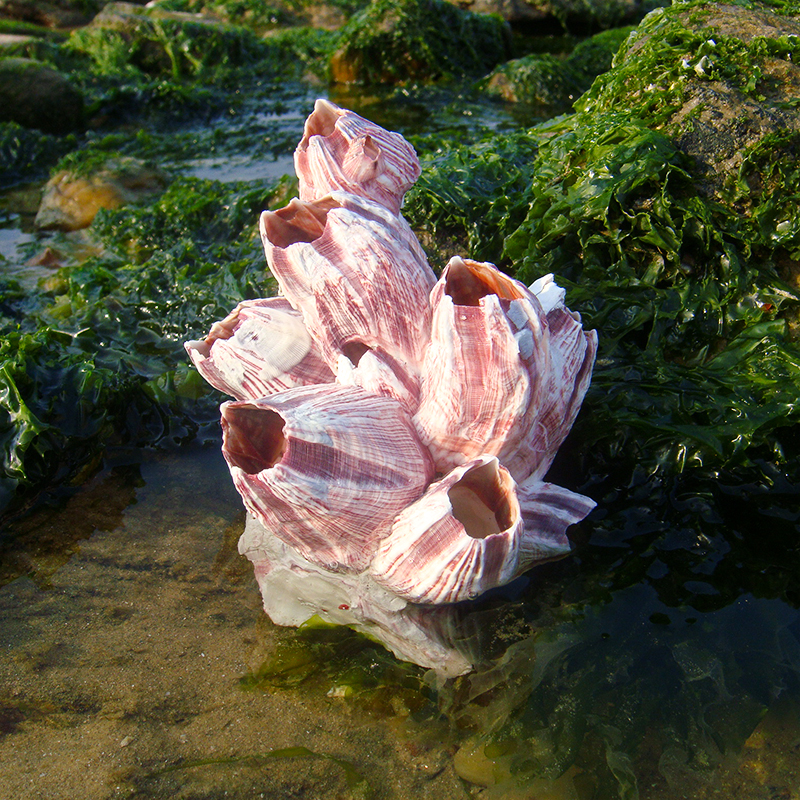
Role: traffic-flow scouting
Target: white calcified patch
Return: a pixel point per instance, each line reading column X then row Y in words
column 260, row 348
column 548, row 292
column 294, row 589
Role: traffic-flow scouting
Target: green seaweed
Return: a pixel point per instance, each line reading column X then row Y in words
column 468, row 197
column 100, row 360
column 27, row 155
column 160, row 45
column 654, row 68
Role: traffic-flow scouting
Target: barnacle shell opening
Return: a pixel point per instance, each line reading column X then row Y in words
column 325, row 468
column 321, row 122
column 299, row 221
column 483, row 500
column 467, row 281
column 253, row 437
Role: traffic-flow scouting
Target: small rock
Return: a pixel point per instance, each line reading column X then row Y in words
column 47, row 258
column 71, row 201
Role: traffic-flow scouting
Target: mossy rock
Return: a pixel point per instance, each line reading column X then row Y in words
column 157, row 42
column 721, row 81
column 262, row 16
column 57, row 14
column 578, row 17
column 397, row 41
column 595, row 55
column 35, row 95
column 669, row 206
column 547, row 80
column 540, row 79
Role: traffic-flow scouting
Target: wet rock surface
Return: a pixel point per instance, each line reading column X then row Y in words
column 71, row 200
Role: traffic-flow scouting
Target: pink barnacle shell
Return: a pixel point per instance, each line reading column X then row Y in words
column 325, row 468
column 260, row 348
column 342, row 151
column 472, row 531
column 501, row 375
column 572, row 355
column 485, row 367
column 357, row 274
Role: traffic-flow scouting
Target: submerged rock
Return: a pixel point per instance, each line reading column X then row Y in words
column 71, row 200
column 35, row 95
column 395, row 41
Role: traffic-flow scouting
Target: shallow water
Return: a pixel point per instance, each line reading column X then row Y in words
column 133, row 650
column 124, row 643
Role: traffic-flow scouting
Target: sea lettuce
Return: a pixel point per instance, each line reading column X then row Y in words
column 99, row 359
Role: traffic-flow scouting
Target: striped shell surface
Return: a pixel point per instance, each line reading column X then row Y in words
column 389, row 426
column 341, row 151
column 327, row 467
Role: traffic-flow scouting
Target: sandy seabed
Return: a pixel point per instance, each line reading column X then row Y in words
column 121, row 661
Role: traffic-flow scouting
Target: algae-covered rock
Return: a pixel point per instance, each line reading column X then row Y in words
column 55, row 14
column 575, row 16
column 669, row 205
column 716, row 79
column 159, row 42
column 543, row 79
column 267, row 15
column 37, row 96
column 394, row 41
column 671, row 200
column 548, row 80
column 71, row 200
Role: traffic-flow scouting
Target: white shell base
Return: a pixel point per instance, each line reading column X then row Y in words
column 294, row 590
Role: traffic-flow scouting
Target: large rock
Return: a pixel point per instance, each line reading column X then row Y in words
column 395, row 41
column 36, row 96
column 72, row 200
column 719, row 80
column 162, row 42
column 575, row 16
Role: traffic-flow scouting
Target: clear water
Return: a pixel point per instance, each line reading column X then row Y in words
column 133, row 665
